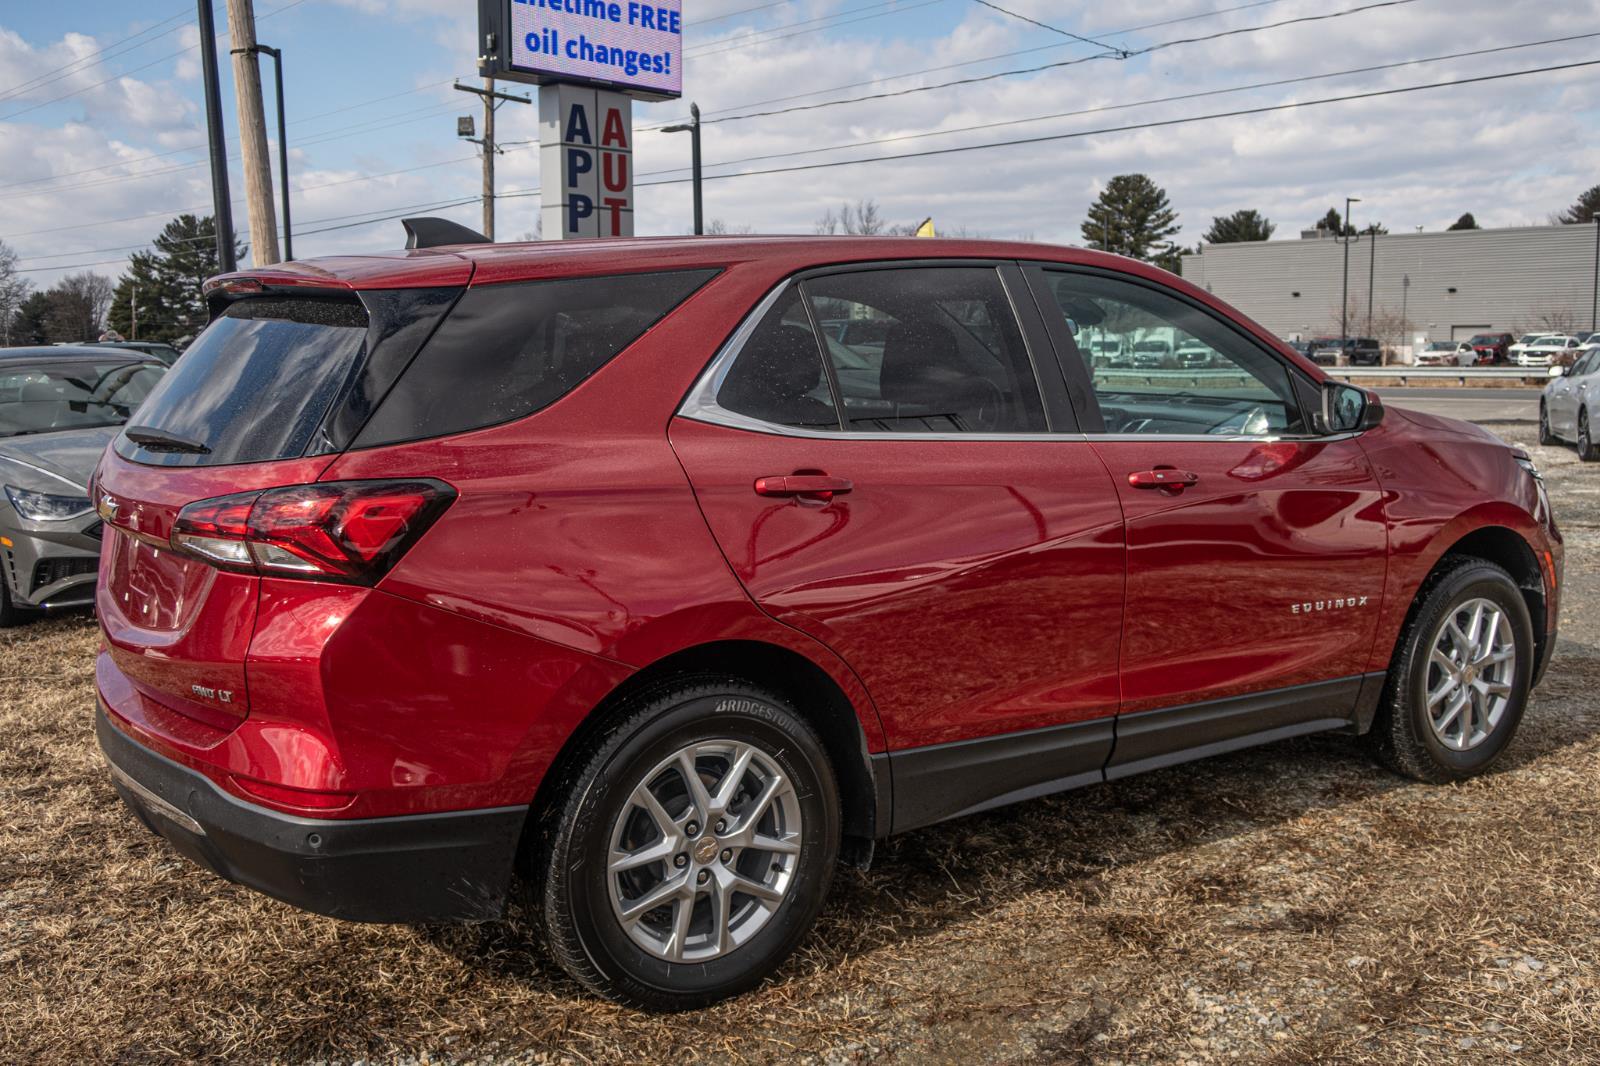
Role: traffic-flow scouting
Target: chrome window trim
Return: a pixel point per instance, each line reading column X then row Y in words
column 700, row 405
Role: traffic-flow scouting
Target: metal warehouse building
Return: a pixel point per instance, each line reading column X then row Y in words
column 1442, row 286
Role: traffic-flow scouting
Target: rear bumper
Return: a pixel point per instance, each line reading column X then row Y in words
column 451, row 867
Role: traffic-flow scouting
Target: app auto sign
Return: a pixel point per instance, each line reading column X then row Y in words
column 627, row 45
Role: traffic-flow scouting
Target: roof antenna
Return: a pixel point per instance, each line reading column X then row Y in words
column 433, row 232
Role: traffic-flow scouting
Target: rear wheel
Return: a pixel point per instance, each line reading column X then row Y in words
column 1460, row 678
column 692, row 849
column 1586, row 449
column 1545, row 436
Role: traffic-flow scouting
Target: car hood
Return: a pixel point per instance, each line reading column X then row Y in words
column 1441, row 424
column 49, row 462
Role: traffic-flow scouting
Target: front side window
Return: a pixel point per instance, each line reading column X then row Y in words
column 1239, row 389
column 927, row 350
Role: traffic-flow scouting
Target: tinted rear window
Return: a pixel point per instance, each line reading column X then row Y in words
column 257, row 383
column 508, row 350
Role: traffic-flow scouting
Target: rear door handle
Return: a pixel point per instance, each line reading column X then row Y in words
column 1163, row 478
column 810, row 486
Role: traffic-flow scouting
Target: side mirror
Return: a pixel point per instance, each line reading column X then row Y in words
column 1348, row 409
column 1556, row 371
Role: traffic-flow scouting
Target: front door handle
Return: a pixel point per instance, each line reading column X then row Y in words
column 1163, row 478
column 807, row 486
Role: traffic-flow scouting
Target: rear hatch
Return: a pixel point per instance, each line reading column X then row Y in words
column 273, row 390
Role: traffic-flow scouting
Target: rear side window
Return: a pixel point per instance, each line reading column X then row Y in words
column 257, row 383
column 508, row 350
column 778, row 376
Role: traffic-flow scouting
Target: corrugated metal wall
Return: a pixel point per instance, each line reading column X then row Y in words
column 1515, row 280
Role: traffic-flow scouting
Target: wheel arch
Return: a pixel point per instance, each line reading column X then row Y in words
column 811, row 689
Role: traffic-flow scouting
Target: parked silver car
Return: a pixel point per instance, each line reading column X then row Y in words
column 1570, row 401
column 59, row 407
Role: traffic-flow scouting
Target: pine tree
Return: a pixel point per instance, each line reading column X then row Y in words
column 1584, row 211
column 1244, row 225
column 1132, row 217
column 1334, row 224
column 162, row 288
column 29, row 325
column 1466, row 221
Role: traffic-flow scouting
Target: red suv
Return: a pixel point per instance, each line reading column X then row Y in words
column 606, row 572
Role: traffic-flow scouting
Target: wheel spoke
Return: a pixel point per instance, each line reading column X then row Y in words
column 739, row 883
column 634, row 909
column 1491, row 632
column 1451, row 713
column 660, row 851
column 682, row 912
column 789, row 845
column 1447, row 685
column 643, row 797
column 691, row 780
column 728, row 787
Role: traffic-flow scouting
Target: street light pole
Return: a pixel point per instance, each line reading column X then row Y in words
column 1372, row 270
column 692, row 127
column 221, row 200
column 1594, row 300
column 1405, row 324
column 283, row 148
column 1344, row 298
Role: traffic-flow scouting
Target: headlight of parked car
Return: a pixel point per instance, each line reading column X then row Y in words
column 45, row 506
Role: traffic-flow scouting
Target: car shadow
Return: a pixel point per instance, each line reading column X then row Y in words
column 923, row 881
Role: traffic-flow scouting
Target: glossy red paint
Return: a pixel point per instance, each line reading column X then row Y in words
column 958, row 588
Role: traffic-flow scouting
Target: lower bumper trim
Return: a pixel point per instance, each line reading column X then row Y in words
column 450, row 867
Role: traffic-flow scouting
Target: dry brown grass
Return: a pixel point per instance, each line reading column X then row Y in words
column 1286, row 905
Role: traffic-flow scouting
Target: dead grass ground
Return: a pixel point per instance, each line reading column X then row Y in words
column 1286, row 905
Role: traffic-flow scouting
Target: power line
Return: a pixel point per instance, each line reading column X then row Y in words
column 1139, row 103
column 55, row 74
column 1062, row 63
column 687, row 52
column 1053, row 29
column 982, row 59
column 709, row 50
column 741, row 11
column 1158, row 124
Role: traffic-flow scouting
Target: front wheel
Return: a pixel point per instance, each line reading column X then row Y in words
column 1460, row 678
column 1545, row 436
column 692, row 850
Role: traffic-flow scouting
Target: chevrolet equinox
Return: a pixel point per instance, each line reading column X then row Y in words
column 653, row 579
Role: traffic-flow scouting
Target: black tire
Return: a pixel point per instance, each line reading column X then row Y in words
column 567, row 874
column 1586, row 447
column 1545, row 436
column 1402, row 736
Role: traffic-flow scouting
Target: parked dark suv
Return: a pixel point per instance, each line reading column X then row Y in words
column 1351, row 351
column 602, row 571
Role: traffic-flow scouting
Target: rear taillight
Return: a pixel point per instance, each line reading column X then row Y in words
column 346, row 531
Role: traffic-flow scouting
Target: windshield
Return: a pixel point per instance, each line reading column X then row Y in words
column 81, row 394
column 1442, row 346
column 1485, row 338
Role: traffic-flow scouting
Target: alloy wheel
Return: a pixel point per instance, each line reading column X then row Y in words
column 704, row 851
column 1471, row 665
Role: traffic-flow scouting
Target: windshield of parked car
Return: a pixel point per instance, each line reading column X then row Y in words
column 1442, row 346
column 80, row 394
column 1150, row 346
column 1485, row 338
column 1528, row 338
column 1326, row 342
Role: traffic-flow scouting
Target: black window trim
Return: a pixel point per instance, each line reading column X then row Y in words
column 1087, row 402
column 700, row 403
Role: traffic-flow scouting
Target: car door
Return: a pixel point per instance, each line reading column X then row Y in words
column 1256, row 549
column 919, row 507
column 1562, row 404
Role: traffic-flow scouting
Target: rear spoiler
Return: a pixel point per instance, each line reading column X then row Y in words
column 435, row 232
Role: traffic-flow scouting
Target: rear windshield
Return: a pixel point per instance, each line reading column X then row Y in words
column 257, row 383
column 508, row 350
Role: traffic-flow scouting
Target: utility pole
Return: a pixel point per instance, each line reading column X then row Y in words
column 253, row 133
column 1594, row 301
column 221, row 199
column 491, row 102
column 1344, row 299
column 693, row 129
column 133, row 310
column 1405, row 323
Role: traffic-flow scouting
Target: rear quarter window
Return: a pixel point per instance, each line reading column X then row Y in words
column 508, row 350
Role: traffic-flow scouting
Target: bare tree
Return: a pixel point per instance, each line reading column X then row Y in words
column 78, row 305
column 1549, row 317
column 14, row 289
column 863, row 219
column 718, row 227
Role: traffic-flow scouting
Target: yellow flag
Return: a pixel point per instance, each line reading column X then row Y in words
column 926, row 229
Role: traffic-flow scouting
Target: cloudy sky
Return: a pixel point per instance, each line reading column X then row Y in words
column 102, row 136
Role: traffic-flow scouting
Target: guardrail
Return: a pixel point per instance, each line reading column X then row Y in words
column 1461, row 374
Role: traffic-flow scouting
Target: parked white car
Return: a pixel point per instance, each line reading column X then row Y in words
column 1570, row 400
column 1447, row 353
column 1521, row 343
column 1552, row 349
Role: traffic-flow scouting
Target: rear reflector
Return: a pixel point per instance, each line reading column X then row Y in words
column 351, row 532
